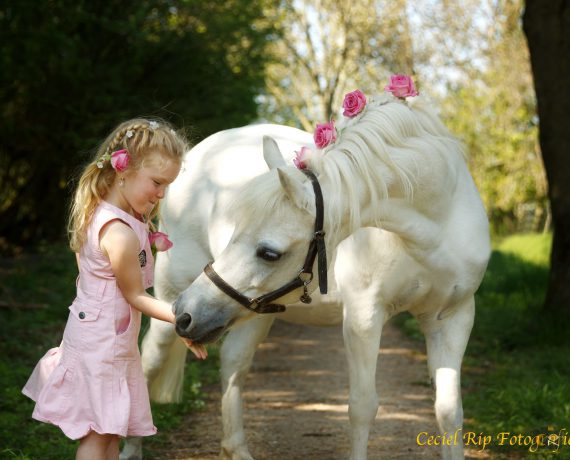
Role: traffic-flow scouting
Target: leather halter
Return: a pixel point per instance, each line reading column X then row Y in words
column 262, row 304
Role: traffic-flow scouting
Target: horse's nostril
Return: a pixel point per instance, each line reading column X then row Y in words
column 183, row 321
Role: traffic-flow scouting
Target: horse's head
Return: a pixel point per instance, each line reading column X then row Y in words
column 274, row 226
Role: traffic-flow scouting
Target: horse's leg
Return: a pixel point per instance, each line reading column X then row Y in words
column 446, row 340
column 362, row 328
column 163, row 358
column 236, row 356
column 132, row 449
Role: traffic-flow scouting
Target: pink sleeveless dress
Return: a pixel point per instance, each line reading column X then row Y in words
column 94, row 379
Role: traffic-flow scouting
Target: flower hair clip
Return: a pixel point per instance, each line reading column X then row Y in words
column 401, row 86
column 353, row 103
column 301, row 158
column 119, row 160
column 325, row 134
column 159, row 242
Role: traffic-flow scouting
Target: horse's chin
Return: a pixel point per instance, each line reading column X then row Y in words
column 209, row 337
column 213, row 336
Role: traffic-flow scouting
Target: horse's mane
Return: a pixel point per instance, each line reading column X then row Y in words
column 374, row 151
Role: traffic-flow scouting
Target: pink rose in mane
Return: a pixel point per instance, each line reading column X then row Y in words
column 353, row 103
column 300, row 160
column 160, row 241
column 401, row 86
column 325, row 134
column 120, row 160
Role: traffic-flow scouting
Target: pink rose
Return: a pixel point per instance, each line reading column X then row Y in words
column 120, row 160
column 160, row 241
column 401, row 86
column 353, row 103
column 301, row 157
column 325, row 134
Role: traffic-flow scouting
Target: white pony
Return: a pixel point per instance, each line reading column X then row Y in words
column 403, row 221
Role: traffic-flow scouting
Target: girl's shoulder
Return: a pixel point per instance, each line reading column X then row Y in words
column 106, row 213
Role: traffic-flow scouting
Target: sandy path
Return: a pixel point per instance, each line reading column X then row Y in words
column 296, row 401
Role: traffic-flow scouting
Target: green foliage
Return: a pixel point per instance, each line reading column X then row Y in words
column 72, row 70
column 517, row 361
column 35, row 290
column 532, row 248
column 494, row 113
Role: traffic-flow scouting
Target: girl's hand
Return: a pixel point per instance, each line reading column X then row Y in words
column 199, row 350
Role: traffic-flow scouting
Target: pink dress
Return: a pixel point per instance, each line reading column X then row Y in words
column 94, row 379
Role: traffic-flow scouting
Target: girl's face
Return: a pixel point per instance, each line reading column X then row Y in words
column 144, row 187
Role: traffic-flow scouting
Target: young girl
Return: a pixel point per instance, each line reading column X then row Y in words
column 92, row 386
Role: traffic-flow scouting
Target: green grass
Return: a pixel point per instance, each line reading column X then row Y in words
column 35, row 291
column 516, row 372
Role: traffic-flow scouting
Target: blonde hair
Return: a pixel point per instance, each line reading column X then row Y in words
column 140, row 137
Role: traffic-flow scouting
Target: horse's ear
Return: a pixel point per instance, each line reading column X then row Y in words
column 296, row 191
column 272, row 154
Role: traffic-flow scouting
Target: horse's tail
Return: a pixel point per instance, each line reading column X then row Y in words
column 163, row 359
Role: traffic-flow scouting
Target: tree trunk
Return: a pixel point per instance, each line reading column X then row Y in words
column 547, row 28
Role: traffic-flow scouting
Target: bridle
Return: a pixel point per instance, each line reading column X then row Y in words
column 262, row 304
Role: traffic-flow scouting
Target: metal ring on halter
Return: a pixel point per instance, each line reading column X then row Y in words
column 308, row 281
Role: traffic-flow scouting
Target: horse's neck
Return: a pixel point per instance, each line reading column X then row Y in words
column 417, row 217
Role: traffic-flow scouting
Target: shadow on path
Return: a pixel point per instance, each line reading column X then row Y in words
column 296, row 401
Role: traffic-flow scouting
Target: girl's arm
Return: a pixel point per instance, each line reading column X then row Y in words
column 120, row 243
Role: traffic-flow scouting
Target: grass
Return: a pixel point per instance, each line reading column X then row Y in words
column 35, row 290
column 516, row 372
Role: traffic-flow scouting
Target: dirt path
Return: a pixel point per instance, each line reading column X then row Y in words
column 296, row 401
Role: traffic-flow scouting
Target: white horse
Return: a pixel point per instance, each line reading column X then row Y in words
column 402, row 217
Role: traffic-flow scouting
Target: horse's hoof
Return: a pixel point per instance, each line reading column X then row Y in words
column 241, row 453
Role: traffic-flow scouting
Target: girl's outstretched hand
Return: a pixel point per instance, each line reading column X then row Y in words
column 199, row 350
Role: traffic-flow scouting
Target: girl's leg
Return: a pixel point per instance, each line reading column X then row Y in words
column 113, row 449
column 94, row 446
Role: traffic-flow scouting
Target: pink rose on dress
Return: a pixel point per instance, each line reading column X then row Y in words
column 401, row 86
column 325, row 134
column 300, row 160
column 120, row 160
column 353, row 103
column 160, row 241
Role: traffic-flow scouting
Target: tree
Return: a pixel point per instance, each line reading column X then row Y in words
column 328, row 47
column 547, row 28
column 71, row 70
column 492, row 108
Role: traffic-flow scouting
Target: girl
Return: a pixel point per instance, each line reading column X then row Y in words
column 92, row 386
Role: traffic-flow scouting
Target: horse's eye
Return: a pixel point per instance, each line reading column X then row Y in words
column 268, row 254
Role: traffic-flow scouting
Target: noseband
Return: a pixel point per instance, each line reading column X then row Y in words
column 262, row 304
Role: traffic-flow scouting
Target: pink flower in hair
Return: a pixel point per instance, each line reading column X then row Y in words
column 120, row 160
column 325, row 134
column 160, row 241
column 401, row 86
column 353, row 103
column 300, row 158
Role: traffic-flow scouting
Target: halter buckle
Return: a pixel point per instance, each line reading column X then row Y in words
column 305, row 298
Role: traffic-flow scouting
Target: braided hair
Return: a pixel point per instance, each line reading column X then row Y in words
column 140, row 137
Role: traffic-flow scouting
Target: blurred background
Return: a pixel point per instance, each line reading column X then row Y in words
column 71, row 70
